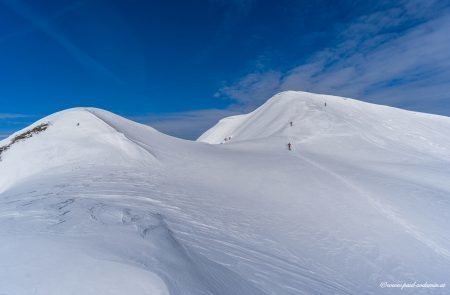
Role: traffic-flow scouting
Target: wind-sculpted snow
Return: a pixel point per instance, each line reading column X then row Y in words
column 316, row 118
column 98, row 204
column 116, row 229
column 74, row 137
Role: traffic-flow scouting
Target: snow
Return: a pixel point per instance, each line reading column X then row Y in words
column 115, row 206
column 54, row 268
column 377, row 125
column 66, row 144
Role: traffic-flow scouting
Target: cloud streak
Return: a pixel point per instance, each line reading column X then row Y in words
column 11, row 122
column 4, row 135
column 8, row 116
column 399, row 56
column 40, row 23
column 31, row 28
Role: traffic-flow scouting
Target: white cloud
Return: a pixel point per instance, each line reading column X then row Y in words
column 5, row 134
column 399, row 56
column 188, row 125
column 418, row 60
column 13, row 116
column 253, row 88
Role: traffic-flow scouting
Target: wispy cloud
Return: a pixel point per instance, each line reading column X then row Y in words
column 12, row 122
column 43, row 24
column 31, row 28
column 188, row 125
column 398, row 56
column 4, row 116
column 4, row 135
column 253, row 88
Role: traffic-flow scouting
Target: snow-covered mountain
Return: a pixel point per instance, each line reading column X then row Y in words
column 317, row 118
column 92, row 203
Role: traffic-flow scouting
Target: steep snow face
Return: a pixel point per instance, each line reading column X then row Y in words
column 317, row 118
column 111, row 206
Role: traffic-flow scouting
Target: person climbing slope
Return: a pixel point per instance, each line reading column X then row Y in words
column 289, row 145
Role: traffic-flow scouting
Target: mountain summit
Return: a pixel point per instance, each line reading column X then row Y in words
column 306, row 118
column 93, row 203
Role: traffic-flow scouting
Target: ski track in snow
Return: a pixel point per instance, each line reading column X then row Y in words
column 122, row 210
column 122, row 207
column 99, row 194
column 381, row 208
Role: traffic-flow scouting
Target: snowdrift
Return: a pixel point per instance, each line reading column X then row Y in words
column 317, row 117
column 97, row 204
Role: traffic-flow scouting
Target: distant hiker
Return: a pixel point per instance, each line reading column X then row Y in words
column 229, row 137
column 225, row 139
column 325, row 103
column 291, row 123
column 78, row 124
column 289, row 145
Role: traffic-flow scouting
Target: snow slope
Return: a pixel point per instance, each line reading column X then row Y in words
column 377, row 125
column 113, row 207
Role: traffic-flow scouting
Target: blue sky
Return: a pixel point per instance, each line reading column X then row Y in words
column 181, row 65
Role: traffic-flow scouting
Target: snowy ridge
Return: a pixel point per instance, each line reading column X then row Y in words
column 341, row 117
column 361, row 199
column 65, row 143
